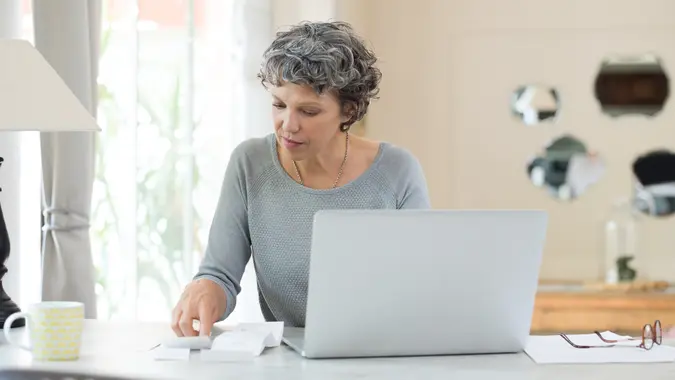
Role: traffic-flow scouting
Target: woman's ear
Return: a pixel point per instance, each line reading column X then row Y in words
column 348, row 113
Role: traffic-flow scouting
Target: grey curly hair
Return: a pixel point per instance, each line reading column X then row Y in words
column 328, row 56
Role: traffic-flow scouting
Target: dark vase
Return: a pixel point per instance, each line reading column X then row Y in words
column 7, row 306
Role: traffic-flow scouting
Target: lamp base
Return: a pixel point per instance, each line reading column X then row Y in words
column 7, row 308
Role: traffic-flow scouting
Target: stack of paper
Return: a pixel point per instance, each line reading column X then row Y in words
column 246, row 341
column 243, row 342
column 178, row 348
column 549, row 349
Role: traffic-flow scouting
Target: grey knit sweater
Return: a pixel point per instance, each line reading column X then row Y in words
column 265, row 214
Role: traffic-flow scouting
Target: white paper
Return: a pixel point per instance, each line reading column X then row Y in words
column 164, row 353
column 245, row 341
column 550, row 349
column 273, row 330
column 189, row 342
column 236, row 345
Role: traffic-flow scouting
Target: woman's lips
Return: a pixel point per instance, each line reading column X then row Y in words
column 290, row 144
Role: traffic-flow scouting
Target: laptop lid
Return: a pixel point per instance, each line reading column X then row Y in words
column 422, row 282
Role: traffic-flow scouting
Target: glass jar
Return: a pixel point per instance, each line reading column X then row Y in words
column 620, row 251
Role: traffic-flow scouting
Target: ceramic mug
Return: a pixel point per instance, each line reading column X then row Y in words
column 54, row 330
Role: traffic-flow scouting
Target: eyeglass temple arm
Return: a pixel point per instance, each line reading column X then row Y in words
column 608, row 340
column 579, row 346
column 571, row 343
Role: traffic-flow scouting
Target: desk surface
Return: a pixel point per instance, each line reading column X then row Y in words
column 118, row 348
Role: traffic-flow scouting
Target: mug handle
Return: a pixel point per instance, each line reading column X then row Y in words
column 6, row 329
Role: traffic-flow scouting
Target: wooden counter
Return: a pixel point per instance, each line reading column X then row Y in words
column 578, row 309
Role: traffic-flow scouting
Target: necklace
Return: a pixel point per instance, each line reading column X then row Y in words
column 342, row 166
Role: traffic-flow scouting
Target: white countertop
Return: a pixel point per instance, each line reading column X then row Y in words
column 122, row 348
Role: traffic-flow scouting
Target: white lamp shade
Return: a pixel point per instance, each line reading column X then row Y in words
column 33, row 97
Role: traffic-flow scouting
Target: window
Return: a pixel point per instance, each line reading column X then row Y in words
column 174, row 94
column 177, row 93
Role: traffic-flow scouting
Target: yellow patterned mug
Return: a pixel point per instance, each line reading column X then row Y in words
column 54, row 330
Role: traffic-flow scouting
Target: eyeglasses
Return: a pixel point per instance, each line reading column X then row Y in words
column 650, row 334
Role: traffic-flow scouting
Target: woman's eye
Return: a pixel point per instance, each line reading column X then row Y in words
column 310, row 113
column 277, row 105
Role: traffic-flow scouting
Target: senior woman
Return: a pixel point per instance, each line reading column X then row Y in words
column 321, row 78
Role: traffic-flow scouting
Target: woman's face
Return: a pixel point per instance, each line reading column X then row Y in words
column 304, row 122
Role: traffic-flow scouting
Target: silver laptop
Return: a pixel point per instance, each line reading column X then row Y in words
column 420, row 282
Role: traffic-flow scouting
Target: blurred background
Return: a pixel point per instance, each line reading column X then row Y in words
column 562, row 106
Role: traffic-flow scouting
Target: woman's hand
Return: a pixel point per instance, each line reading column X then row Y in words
column 202, row 300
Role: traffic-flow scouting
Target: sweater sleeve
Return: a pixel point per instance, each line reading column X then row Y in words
column 413, row 184
column 228, row 248
column 406, row 176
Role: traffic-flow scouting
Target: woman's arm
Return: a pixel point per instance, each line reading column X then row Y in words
column 229, row 244
column 410, row 181
column 416, row 192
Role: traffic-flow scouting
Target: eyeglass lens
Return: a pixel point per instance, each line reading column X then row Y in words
column 648, row 336
column 658, row 332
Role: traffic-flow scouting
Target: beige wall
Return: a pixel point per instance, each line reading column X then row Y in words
column 449, row 68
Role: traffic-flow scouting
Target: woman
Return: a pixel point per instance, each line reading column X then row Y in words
column 321, row 78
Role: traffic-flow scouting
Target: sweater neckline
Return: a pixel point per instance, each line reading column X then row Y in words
column 271, row 139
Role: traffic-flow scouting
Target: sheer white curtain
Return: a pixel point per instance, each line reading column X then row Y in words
column 67, row 34
column 177, row 92
column 67, row 49
column 67, row 271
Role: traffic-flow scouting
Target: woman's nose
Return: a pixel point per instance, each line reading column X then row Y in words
column 290, row 123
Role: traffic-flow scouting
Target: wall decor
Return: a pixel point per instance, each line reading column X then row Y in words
column 632, row 84
column 534, row 104
column 654, row 183
column 565, row 168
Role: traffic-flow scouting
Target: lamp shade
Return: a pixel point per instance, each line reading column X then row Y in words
column 33, row 97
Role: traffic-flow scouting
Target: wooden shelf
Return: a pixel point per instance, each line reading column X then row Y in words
column 576, row 309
